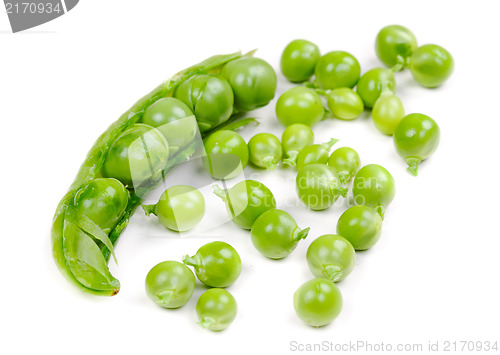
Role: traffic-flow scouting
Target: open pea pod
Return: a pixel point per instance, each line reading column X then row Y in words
column 81, row 249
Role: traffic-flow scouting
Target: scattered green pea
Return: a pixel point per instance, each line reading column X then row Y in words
column 431, row 65
column 275, row 234
column 265, row 151
column 318, row 302
column 373, row 83
column 315, row 154
column 337, row 69
column 361, row 226
column 246, row 201
column 299, row 59
column 392, row 42
column 346, row 163
column 416, row 138
column 345, row 103
column 299, row 105
column 295, row 138
column 318, row 186
column 387, row 112
column 331, row 256
column 216, row 264
column 216, row 309
column 170, row 284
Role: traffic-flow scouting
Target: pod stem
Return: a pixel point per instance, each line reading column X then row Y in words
column 413, row 165
column 401, row 63
column 269, row 163
column 380, row 210
column 332, row 272
column 222, row 193
column 165, row 297
column 149, row 209
column 343, row 177
column 339, row 190
column 299, row 234
column 291, row 158
column 193, row 261
column 328, row 145
column 207, row 322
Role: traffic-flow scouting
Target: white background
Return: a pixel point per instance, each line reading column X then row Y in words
column 432, row 277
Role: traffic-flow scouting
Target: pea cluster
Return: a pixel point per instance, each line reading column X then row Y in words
column 132, row 157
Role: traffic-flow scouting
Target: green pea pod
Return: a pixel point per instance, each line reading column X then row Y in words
column 81, row 249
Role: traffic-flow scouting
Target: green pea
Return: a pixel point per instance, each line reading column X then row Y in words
column 253, row 82
column 275, row 234
column 138, row 155
column 295, row 138
column 246, row 201
column 298, row 60
column 337, row 69
column 174, row 120
column 416, row 138
column 431, row 65
column 265, row 151
column 216, row 264
column 331, row 256
column 103, row 201
column 346, row 163
column 180, row 208
column 226, row 154
column 345, row 103
column 373, row 83
column 216, row 309
column 315, row 154
column 318, row 186
column 317, row 302
column 170, row 284
column 209, row 97
column 361, row 226
column 374, row 186
column 387, row 113
column 299, row 105
column 393, row 41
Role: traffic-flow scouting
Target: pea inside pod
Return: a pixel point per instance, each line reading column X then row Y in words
column 246, row 201
column 416, row 138
column 346, row 163
column 265, row 151
column 295, row 138
column 315, row 154
column 216, row 264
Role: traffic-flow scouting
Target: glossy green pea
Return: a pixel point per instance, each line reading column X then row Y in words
column 393, row 41
column 318, row 186
column 216, row 264
column 226, row 154
column 315, row 154
column 216, row 309
column 180, row 208
column 416, row 138
column 431, row 65
column 265, row 151
column 170, row 284
column 275, row 234
column 295, row 138
column 317, row 302
column 299, row 59
column 331, row 256
column 139, row 154
column 337, row 69
column 174, row 120
column 361, row 226
column 345, row 161
column 209, row 97
column 103, row 201
column 345, row 103
column 374, row 186
column 373, row 83
column 387, row 112
column 246, row 201
column 299, row 105
column 253, row 82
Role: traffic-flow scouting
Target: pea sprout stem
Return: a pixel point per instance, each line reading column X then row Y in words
column 269, row 163
column 299, row 234
column 193, row 261
column 328, row 145
column 222, row 193
column 207, row 322
column 291, row 158
column 149, row 209
column 413, row 165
